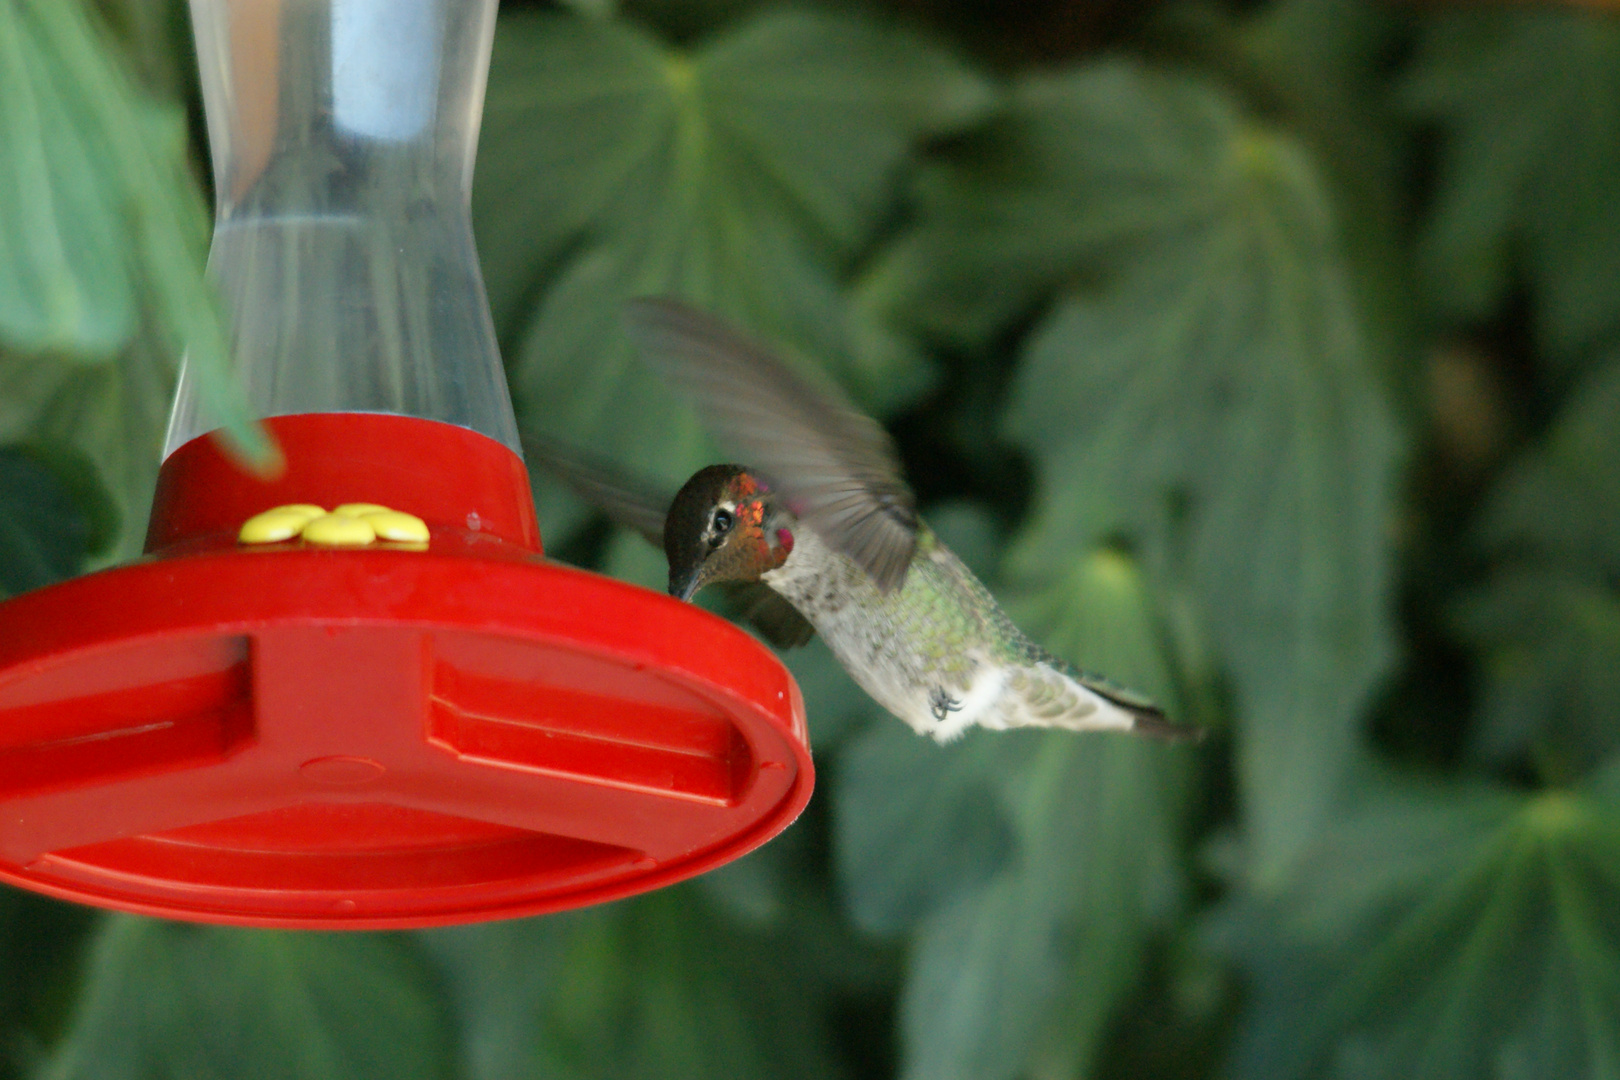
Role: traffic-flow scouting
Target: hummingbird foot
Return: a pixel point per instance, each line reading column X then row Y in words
column 941, row 704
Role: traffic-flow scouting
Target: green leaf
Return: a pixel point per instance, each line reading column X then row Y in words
column 593, row 9
column 155, row 37
column 1210, row 398
column 916, row 825
column 1552, row 668
column 1435, row 932
column 1527, row 105
column 53, row 514
column 1075, row 164
column 1323, row 74
column 971, row 533
column 656, row 987
column 102, row 182
column 1548, row 619
column 1325, row 66
column 166, row 999
column 41, row 942
column 114, row 414
column 1031, row 866
column 1058, row 935
column 744, row 175
column 65, row 283
column 1328, row 55
column 1558, row 503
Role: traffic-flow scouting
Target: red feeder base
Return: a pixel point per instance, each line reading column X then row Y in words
column 290, row 735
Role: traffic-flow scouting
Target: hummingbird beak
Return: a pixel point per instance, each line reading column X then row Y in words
column 684, row 583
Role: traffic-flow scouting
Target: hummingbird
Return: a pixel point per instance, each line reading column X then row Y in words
column 819, row 534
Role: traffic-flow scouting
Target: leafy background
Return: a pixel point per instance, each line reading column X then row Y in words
column 1263, row 354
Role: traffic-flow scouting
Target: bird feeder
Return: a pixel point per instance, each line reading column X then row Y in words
column 356, row 694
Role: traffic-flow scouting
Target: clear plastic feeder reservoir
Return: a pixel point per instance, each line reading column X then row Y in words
column 356, row 694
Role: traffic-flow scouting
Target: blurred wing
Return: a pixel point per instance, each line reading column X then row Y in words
column 835, row 468
column 777, row 621
column 628, row 500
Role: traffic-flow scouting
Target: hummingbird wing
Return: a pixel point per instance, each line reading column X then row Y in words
column 639, row 504
column 835, row 468
column 627, row 500
column 769, row 612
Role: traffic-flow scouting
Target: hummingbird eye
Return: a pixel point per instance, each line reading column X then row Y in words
column 719, row 526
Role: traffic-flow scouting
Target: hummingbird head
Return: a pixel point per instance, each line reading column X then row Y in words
column 716, row 531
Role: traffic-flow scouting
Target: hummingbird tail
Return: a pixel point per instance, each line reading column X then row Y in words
column 1055, row 694
column 1153, row 723
column 1146, row 718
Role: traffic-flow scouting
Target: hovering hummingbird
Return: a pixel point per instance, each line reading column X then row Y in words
column 820, row 534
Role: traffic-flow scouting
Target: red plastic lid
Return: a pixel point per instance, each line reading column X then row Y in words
column 384, row 736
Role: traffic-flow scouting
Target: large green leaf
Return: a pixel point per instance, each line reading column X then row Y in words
column 170, row 1000
column 1527, row 104
column 745, row 175
column 1439, row 932
column 1322, row 69
column 1206, row 392
column 1032, row 866
column 657, row 988
column 65, row 281
column 98, row 205
column 126, row 202
column 917, row 825
column 1075, row 164
column 1057, row 937
column 1548, row 620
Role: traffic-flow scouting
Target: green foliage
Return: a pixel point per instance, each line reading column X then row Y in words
column 39, row 943
column 744, row 173
column 1019, row 859
column 1548, row 620
column 53, row 513
column 1440, row 932
column 1212, row 386
column 1528, row 108
column 1155, row 330
column 166, row 999
column 657, row 988
column 112, row 413
column 100, row 217
column 63, row 280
